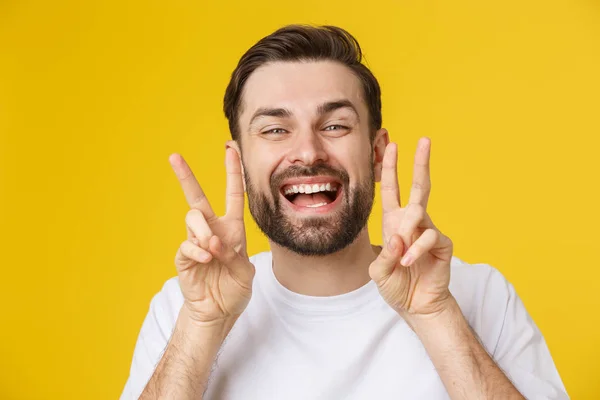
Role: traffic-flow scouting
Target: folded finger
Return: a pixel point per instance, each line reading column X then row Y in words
column 240, row 267
column 386, row 261
column 411, row 220
column 189, row 253
column 198, row 227
column 425, row 243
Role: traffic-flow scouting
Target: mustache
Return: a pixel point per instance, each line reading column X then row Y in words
column 297, row 171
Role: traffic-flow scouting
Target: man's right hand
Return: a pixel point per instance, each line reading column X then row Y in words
column 215, row 274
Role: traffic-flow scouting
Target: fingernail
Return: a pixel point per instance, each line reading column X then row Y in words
column 392, row 244
column 406, row 260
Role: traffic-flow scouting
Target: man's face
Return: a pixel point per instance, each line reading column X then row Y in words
column 307, row 155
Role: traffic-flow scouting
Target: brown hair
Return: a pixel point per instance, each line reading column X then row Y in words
column 303, row 43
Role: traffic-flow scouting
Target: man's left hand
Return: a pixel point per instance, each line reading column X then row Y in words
column 412, row 271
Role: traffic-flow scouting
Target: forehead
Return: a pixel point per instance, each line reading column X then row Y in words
column 300, row 87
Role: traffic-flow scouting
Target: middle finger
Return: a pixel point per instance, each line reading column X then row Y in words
column 421, row 186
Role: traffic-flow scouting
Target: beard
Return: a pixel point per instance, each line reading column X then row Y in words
column 314, row 235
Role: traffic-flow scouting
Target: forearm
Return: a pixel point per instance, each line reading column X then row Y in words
column 185, row 366
column 466, row 369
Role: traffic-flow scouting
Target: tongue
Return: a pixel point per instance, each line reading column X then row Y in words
column 304, row 200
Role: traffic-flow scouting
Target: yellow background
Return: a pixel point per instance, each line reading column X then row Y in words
column 94, row 96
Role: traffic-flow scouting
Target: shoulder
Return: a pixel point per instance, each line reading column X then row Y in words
column 166, row 304
column 476, row 282
column 483, row 295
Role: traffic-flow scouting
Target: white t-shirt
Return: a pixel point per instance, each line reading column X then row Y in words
column 351, row 346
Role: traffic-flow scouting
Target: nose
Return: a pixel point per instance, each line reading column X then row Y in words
column 307, row 148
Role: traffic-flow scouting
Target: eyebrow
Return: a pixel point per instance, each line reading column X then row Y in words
column 322, row 109
column 330, row 106
column 270, row 112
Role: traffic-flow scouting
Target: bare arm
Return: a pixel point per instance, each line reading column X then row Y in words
column 185, row 366
column 412, row 273
column 464, row 366
column 215, row 277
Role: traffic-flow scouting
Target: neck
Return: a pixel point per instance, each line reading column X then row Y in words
column 329, row 275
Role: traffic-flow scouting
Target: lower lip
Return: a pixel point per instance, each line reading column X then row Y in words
column 315, row 210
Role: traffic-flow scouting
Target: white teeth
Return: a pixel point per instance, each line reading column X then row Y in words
column 315, row 188
column 316, row 205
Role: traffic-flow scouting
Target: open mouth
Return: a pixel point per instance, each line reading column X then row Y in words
column 312, row 195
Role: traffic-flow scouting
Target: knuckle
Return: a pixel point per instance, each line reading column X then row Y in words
column 417, row 210
column 181, row 257
column 211, row 219
column 204, row 241
column 197, row 201
column 421, row 210
column 435, row 235
column 229, row 255
column 417, row 185
column 423, row 188
column 236, row 194
column 184, row 248
column 415, row 213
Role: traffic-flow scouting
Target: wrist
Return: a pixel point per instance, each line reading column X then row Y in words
column 446, row 314
column 203, row 333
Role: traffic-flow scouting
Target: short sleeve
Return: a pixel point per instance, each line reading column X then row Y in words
column 521, row 351
column 153, row 338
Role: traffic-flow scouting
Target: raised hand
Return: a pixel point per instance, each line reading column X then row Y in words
column 412, row 271
column 215, row 274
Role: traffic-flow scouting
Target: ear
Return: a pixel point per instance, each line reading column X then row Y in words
column 380, row 142
column 232, row 144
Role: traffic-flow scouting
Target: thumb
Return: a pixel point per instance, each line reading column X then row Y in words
column 239, row 266
column 388, row 258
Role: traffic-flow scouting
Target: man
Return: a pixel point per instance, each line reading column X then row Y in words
column 326, row 314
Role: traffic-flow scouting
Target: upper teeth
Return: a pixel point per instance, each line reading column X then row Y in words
column 314, row 188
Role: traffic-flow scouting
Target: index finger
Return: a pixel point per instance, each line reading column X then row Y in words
column 390, row 192
column 191, row 188
column 421, row 186
column 235, row 185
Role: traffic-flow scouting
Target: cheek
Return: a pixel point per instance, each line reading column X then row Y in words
column 258, row 179
column 258, row 173
column 365, row 161
column 363, row 172
column 355, row 160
